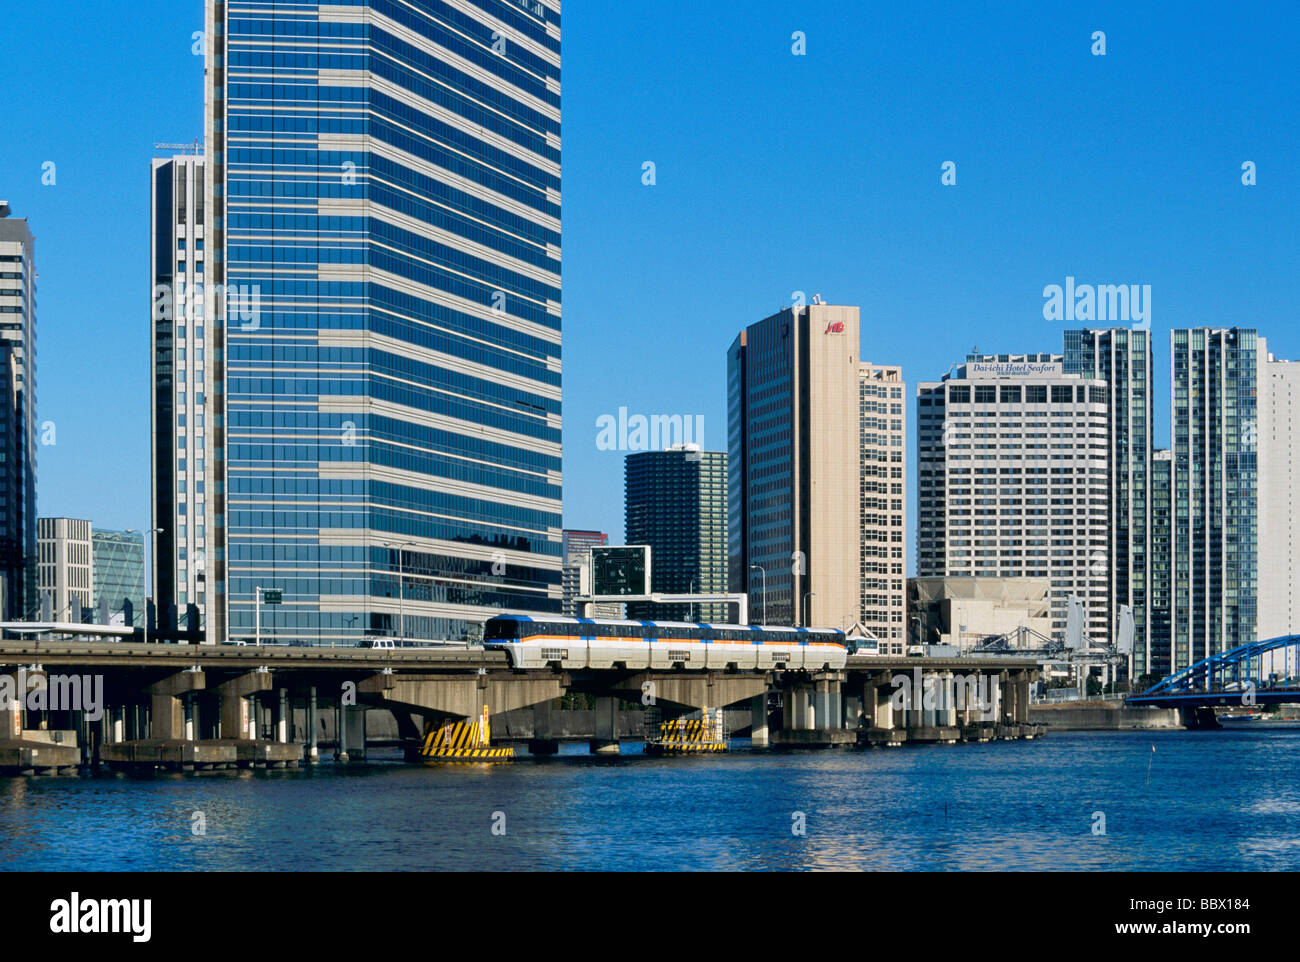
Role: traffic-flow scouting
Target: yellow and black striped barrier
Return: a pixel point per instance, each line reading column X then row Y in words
column 687, row 736
column 462, row 741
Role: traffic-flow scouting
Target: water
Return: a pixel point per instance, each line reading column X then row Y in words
column 1227, row 800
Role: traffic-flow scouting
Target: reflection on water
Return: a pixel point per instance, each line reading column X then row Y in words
column 1217, row 801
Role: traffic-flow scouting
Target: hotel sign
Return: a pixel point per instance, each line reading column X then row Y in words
column 1014, row 369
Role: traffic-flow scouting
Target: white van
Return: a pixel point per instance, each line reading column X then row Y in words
column 385, row 644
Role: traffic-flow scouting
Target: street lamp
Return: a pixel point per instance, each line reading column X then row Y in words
column 763, row 571
column 151, row 532
column 806, row 596
column 401, row 588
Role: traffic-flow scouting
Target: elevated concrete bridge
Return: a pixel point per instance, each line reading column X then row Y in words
column 203, row 706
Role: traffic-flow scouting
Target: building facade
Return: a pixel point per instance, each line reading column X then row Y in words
column 1279, row 498
column 1162, row 566
column 884, row 515
column 1216, row 380
column 676, row 502
column 183, row 469
column 1124, row 360
column 1013, row 479
column 794, row 398
column 18, row 427
column 119, row 575
column 384, row 188
column 66, row 569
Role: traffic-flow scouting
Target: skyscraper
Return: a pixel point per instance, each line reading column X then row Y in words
column 1279, row 497
column 119, row 574
column 1215, row 388
column 1013, row 479
column 884, row 513
column 577, row 574
column 1124, row 360
column 1162, row 566
column 795, row 395
column 183, row 464
column 385, row 401
column 18, row 581
column 676, row 502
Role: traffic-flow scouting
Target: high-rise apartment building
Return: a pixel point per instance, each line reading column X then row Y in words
column 18, row 437
column 119, row 575
column 1013, row 479
column 1279, row 497
column 883, row 517
column 676, row 503
column 796, row 389
column 384, row 373
column 66, row 568
column 1124, row 360
column 183, row 467
column 1162, row 567
column 1216, row 385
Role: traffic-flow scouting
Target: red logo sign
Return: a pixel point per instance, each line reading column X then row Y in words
column 835, row 327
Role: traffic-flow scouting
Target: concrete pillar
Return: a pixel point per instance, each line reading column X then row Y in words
column 170, row 718
column 759, row 736
column 995, row 698
column 884, row 708
column 119, row 725
column 605, row 741
column 341, row 755
column 949, row 700
column 799, row 710
column 238, row 716
column 13, row 722
column 282, row 722
column 821, row 704
column 313, row 753
column 1022, row 698
column 189, row 716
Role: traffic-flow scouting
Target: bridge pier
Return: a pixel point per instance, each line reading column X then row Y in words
column 758, row 735
column 606, row 740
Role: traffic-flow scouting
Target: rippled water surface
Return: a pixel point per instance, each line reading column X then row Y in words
column 1225, row 800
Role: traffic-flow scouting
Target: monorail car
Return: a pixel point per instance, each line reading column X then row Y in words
column 598, row 643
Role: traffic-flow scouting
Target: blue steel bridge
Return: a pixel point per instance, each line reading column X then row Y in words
column 1264, row 673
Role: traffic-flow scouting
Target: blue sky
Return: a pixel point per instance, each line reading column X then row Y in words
column 775, row 173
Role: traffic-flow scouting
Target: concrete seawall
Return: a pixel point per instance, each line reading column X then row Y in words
column 1103, row 716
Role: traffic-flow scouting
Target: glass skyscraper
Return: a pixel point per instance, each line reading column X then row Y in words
column 1124, row 360
column 1215, row 498
column 383, row 377
column 119, row 573
column 18, row 581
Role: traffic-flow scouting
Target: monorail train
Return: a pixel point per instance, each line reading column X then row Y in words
column 597, row 643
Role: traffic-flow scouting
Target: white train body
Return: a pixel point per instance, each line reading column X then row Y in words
column 597, row 643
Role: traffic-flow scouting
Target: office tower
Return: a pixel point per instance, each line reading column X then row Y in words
column 183, row 455
column 1215, row 387
column 577, row 573
column 119, row 575
column 883, row 516
column 1013, row 479
column 1124, row 360
column 1162, row 565
column 676, row 502
column 385, row 192
column 18, row 439
column 1279, row 490
column 794, row 429
column 813, row 430
column 66, row 569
